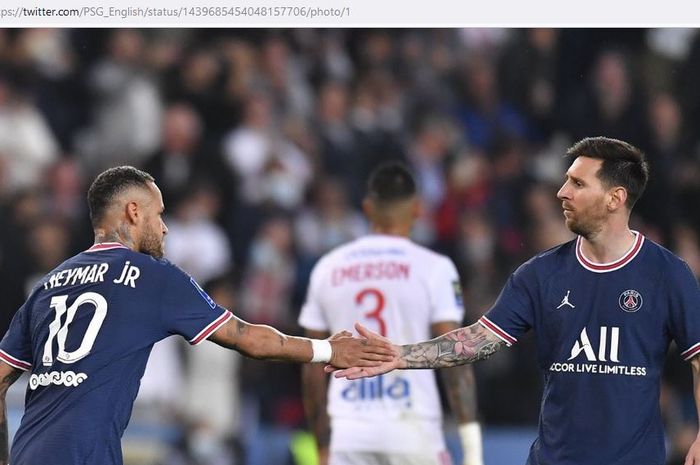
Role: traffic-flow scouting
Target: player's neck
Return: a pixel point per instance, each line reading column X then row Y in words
column 392, row 230
column 120, row 235
column 608, row 245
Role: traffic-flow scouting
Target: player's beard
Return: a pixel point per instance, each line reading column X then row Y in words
column 152, row 244
column 587, row 223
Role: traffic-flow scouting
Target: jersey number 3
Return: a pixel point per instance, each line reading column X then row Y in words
column 59, row 331
column 376, row 313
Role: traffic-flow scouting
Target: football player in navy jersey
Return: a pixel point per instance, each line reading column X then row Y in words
column 87, row 329
column 604, row 308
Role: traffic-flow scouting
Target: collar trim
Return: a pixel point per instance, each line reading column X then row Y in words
column 106, row 246
column 610, row 266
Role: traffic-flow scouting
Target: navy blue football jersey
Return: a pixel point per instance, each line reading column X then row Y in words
column 602, row 333
column 85, row 334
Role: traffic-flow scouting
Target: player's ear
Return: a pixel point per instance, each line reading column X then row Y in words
column 132, row 212
column 618, row 198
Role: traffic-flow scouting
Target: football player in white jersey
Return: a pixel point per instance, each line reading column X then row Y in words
column 407, row 293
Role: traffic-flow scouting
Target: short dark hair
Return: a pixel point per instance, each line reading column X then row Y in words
column 108, row 184
column 391, row 182
column 623, row 164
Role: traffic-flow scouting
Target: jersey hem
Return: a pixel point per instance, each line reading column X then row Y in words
column 211, row 328
column 498, row 331
column 14, row 362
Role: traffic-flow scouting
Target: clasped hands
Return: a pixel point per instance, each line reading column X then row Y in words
column 369, row 355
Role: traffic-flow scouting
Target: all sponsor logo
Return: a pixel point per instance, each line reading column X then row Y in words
column 600, row 359
column 583, row 344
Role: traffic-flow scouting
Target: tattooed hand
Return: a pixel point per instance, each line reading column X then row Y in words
column 463, row 345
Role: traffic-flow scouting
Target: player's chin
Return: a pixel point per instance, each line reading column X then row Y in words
column 571, row 224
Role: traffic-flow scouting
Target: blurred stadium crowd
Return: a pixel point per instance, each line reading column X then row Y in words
column 261, row 141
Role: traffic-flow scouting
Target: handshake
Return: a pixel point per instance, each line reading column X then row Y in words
column 358, row 357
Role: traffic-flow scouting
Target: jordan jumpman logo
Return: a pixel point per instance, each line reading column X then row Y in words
column 565, row 301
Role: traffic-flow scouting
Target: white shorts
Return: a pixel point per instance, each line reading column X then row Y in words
column 416, row 437
column 387, row 458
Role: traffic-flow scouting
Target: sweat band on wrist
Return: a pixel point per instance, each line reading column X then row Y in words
column 321, row 350
column 470, row 436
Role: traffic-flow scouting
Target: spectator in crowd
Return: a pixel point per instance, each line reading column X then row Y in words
column 127, row 106
column 27, row 145
column 195, row 241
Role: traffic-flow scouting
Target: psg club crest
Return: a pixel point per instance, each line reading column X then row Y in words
column 630, row 301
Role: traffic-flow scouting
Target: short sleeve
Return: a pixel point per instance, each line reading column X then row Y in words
column 684, row 303
column 513, row 313
column 311, row 315
column 446, row 293
column 16, row 346
column 187, row 310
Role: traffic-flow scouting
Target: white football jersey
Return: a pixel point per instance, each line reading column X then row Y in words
column 399, row 289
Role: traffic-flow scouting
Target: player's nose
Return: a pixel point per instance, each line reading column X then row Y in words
column 563, row 192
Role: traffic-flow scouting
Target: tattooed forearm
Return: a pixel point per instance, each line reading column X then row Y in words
column 463, row 345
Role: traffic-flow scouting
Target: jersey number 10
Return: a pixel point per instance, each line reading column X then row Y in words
column 59, row 331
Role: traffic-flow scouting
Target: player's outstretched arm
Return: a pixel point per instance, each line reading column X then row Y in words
column 8, row 375
column 266, row 343
column 463, row 345
column 693, row 456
